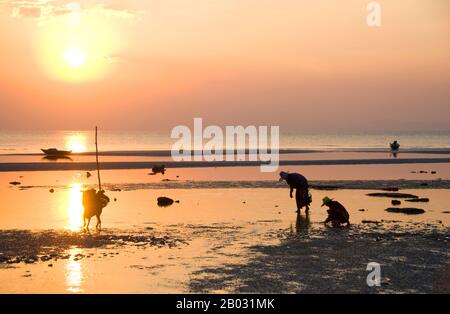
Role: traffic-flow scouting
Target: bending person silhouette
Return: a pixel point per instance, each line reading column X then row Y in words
column 300, row 184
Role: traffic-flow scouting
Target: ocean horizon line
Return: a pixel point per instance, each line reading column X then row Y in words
column 167, row 152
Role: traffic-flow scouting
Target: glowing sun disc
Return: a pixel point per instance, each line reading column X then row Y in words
column 74, row 57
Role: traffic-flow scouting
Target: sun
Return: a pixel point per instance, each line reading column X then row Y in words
column 77, row 54
column 74, row 57
column 76, row 143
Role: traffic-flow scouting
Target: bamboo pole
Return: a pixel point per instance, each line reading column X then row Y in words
column 96, row 158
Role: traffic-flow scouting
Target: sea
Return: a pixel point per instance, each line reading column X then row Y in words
column 30, row 142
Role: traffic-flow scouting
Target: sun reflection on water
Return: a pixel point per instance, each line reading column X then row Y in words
column 75, row 207
column 76, row 142
column 74, row 272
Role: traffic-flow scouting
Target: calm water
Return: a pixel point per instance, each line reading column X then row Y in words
column 79, row 141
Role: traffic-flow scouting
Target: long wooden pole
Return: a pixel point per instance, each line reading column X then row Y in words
column 96, row 158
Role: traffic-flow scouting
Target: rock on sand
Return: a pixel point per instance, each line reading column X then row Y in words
column 164, row 201
column 393, row 195
column 406, row 210
column 418, row 200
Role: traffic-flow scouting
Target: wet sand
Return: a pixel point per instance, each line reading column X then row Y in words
column 220, row 258
column 214, row 240
column 413, row 259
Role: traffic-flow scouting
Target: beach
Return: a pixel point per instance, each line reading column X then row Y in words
column 224, row 147
column 231, row 229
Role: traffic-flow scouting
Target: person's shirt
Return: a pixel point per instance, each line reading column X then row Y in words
column 297, row 181
column 338, row 211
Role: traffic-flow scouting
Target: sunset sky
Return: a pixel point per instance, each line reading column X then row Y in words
column 153, row 64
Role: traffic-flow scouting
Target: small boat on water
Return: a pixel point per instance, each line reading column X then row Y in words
column 53, row 152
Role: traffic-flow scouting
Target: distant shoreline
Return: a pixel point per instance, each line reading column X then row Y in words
column 125, row 165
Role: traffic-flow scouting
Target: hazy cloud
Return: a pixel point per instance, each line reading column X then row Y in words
column 27, row 12
column 111, row 59
column 43, row 10
column 114, row 12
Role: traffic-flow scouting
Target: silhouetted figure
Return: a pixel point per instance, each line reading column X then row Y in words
column 395, row 146
column 337, row 214
column 93, row 203
column 300, row 184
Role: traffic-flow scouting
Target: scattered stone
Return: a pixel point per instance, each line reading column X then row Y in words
column 396, row 202
column 52, row 190
column 446, row 212
column 50, row 265
column 391, row 221
column 115, row 199
column 371, row 222
column 433, row 172
column 30, row 260
column 45, row 258
column 177, row 201
column 406, row 210
column 164, row 201
column 158, row 169
column 4, row 259
column 419, row 200
column 13, row 261
column 393, row 195
column 422, row 171
column 14, row 183
column 362, row 210
column 88, row 175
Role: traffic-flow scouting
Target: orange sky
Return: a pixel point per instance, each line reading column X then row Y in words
column 153, row 64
